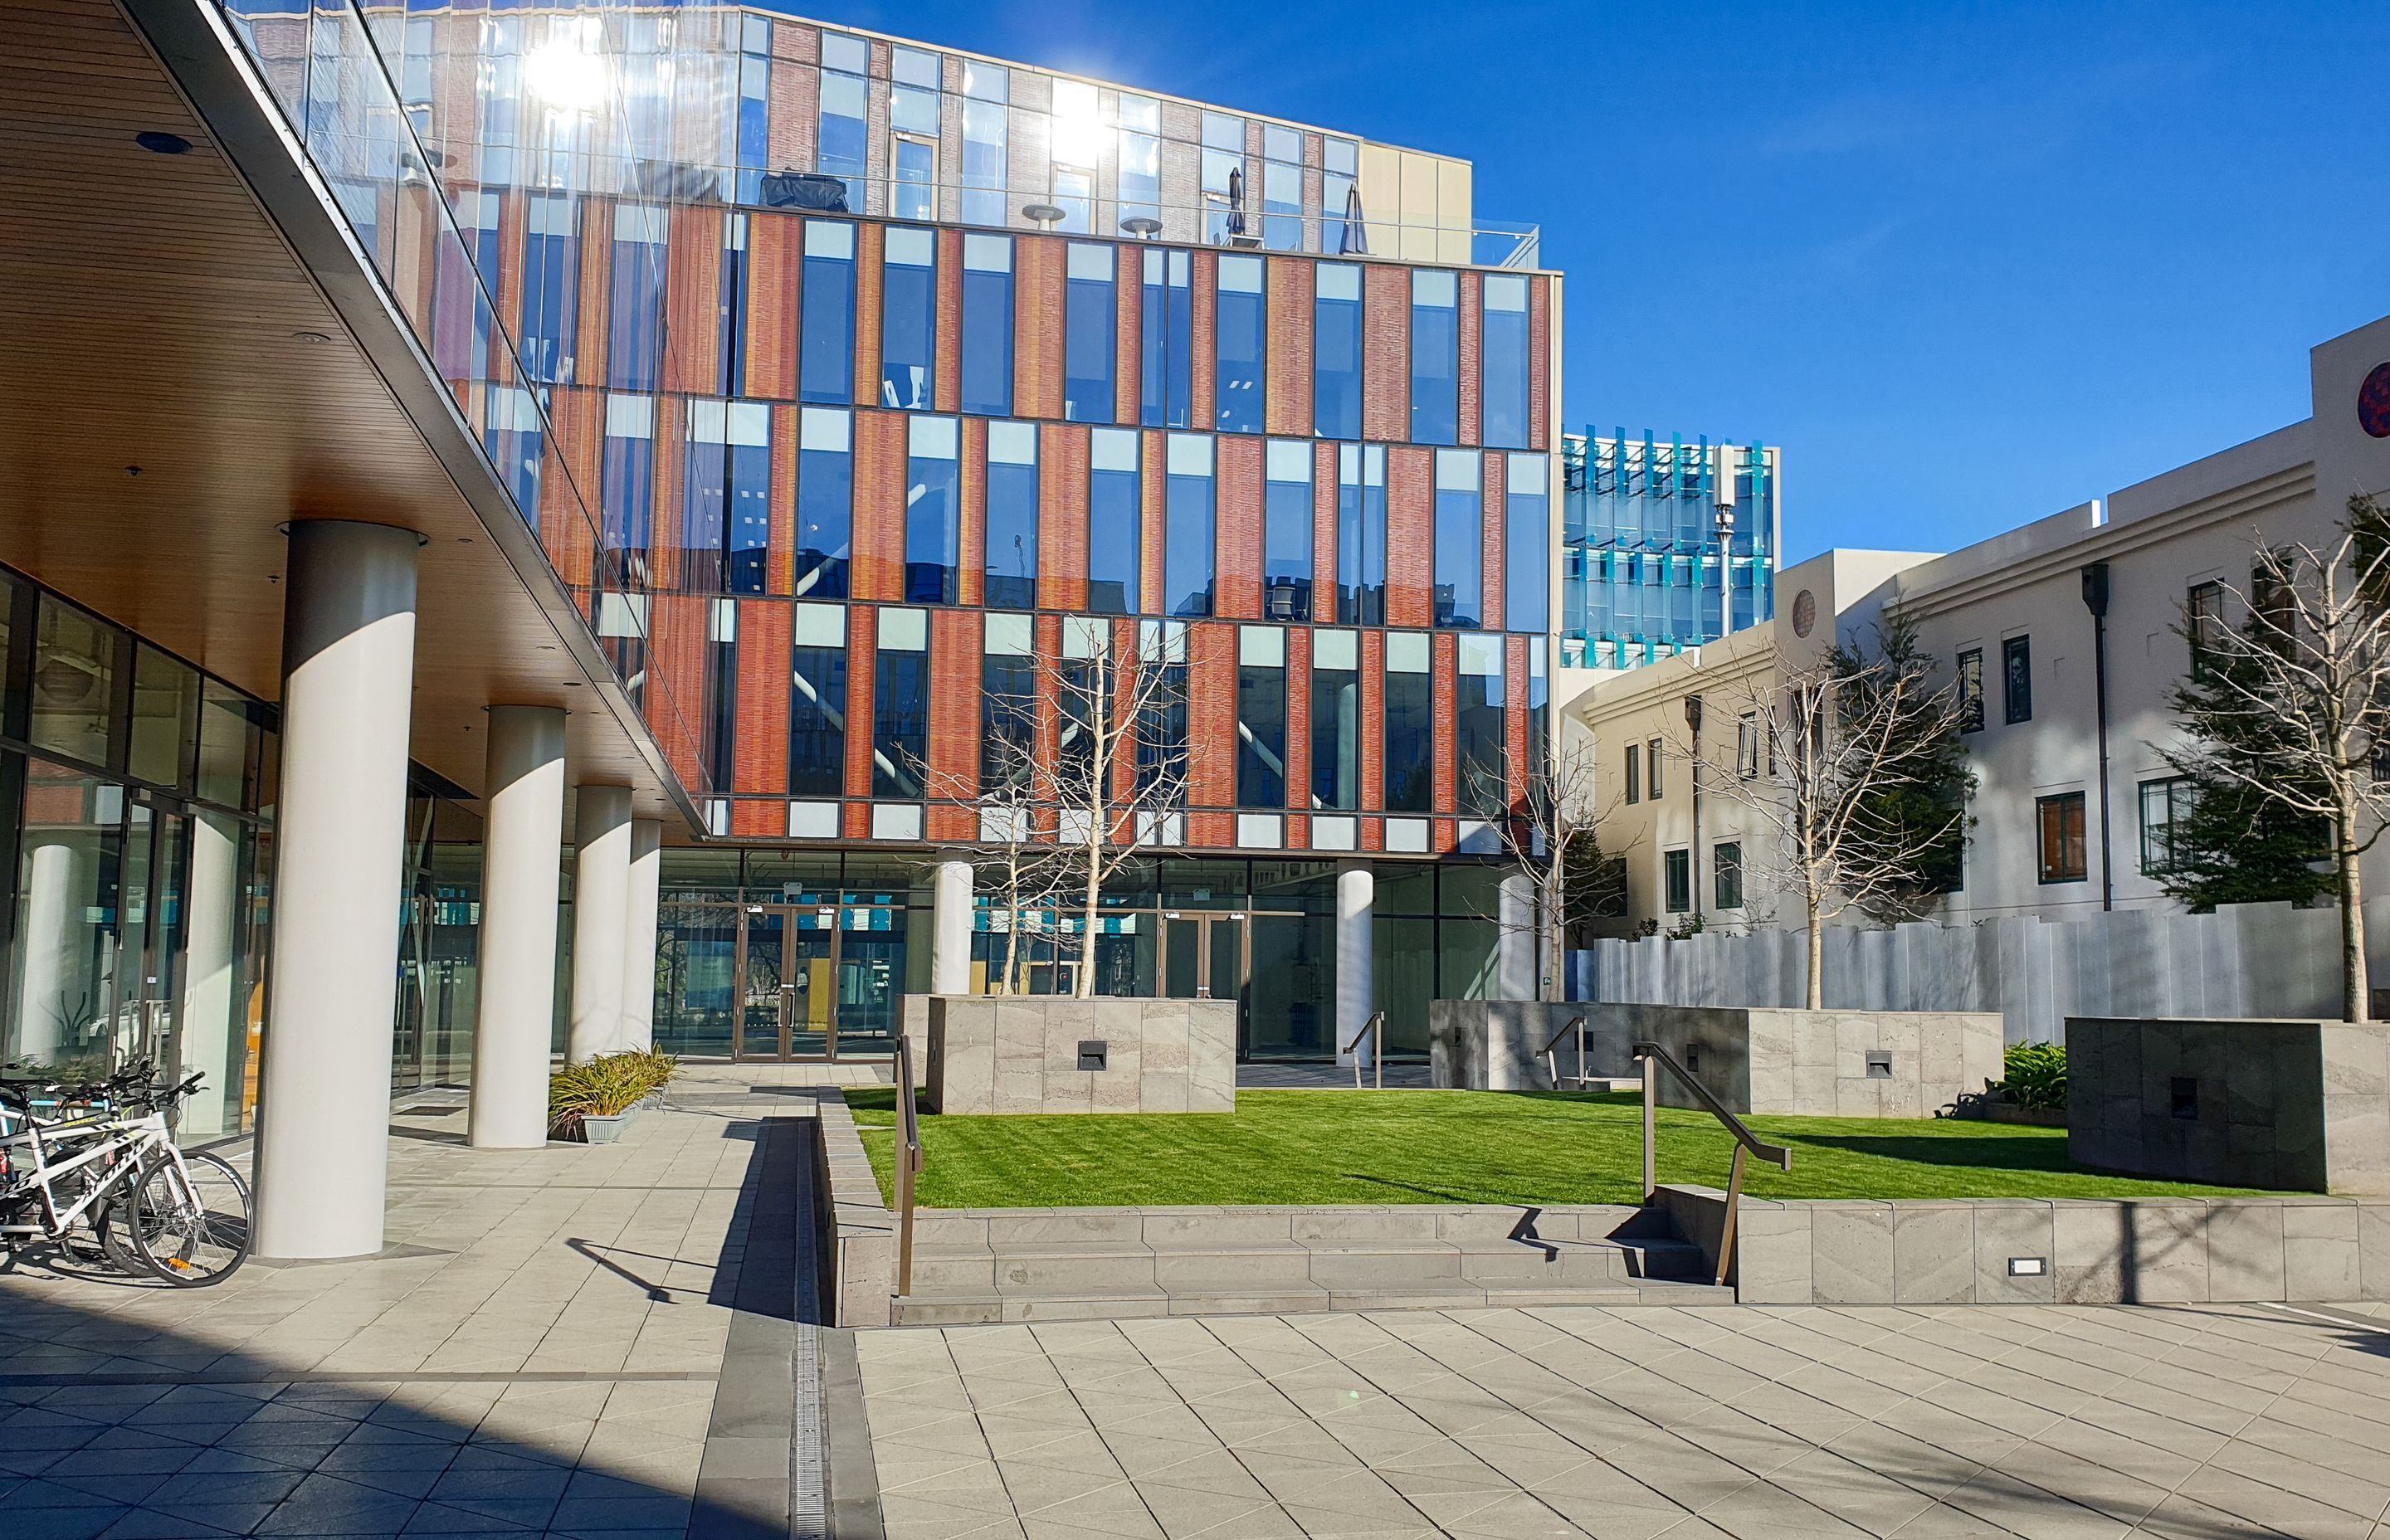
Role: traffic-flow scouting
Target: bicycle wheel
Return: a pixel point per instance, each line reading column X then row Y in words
column 192, row 1232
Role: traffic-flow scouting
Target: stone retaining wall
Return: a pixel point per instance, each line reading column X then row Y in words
column 861, row 1238
column 1023, row 1054
column 2142, row 1251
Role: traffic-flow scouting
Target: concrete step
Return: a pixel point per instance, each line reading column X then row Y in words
column 968, row 1307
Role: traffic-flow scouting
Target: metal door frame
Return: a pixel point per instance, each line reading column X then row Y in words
column 1202, row 921
column 787, row 1054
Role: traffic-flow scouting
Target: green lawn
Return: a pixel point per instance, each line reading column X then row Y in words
column 1458, row 1147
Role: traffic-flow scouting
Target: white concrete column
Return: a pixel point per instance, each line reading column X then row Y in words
column 1356, row 954
column 207, row 966
column 1514, row 959
column 348, row 671
column 639, row 935
column 950, row 928
column 522, row 801
column 53, row 945
column 601, row 902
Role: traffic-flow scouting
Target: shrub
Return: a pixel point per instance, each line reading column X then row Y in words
column 2034, row 1077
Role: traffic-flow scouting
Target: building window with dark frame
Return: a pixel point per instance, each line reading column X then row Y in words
column 1409, row 724
column 2204, row 623
column 1677, row 873
column 1336, row 351
column 1090, row 328
column 1634, row 775
column 2061, row 821
column 1970, row 690
column 2165, row 803
column 987, row 325
column 2016, row 679
column 1240, row 341
column 1746, row 746
column 1726, row 873
column 1261, row 716
column 1651, row 768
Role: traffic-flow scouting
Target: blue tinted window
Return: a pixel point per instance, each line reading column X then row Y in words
column 635, row 321
column 1335, row 719
column 933, row 512
column 1012, row 516
column 845, row 110
column 705, row 481
column 1115, row 523
column 987, row 325
column 1435, row 356
column 825, row 346
column 627, row 485
column 1460, row 540
column 1505, row 355
column 747, row 459
column 900, row 704
column 1527, row 544
column 551, row 287
column 1336, row 351
column 1008, row 692
column 908, row 325
column 752, row 126
column 1261, row 716
column 1478, row 739
column 1240, row 325
column 817, row 706
column 824, row 502
column 1188, row 513
column 1286, row 532
column 1410, row 724
column 1091, row 322
column 1361, row 533
column 1168, row 329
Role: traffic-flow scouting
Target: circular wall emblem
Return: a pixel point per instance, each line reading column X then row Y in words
column 2374, row 403
column 1804, row 613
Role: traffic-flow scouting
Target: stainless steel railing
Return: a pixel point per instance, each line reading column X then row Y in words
column 1374, row 1029
column 1652, row 1055
column 1551, row 1059
column 908, row 1163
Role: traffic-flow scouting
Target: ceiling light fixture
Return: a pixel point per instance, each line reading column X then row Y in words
column 310, row 337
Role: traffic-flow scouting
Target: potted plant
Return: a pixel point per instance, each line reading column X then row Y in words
column 595, row 1098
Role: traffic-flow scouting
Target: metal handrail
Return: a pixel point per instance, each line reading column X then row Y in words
column 1745, row 1144
column 908, row 1161
column 1375, row 1030
column 1551, row 1060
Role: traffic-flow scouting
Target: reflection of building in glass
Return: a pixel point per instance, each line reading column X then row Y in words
column 1644, row 530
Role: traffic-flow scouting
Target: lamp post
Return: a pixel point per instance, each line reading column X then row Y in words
column 1726, row 568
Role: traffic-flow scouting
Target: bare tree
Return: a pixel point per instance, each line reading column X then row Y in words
column 2307, row 676
column 1849, row 764
column 1551, row 810
column 1011, row 794
column 1120, row 764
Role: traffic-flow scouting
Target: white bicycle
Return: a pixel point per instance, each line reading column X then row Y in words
column 97, row 1160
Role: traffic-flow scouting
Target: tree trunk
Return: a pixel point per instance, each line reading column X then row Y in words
column 1817, row 991
column 1086, row 982
column 2354, row 1003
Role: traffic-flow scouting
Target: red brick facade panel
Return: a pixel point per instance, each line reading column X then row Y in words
column 972, row 580
column 671, row 462
column 776, row 245
column 1203, row 339
column 1037, row 279
column 955, row 640
column 676, row 652
column 1211, row 716
column 693, row 359
column 758, row 819
column 856, row 824
column 507, row 283
column 1324, row 596
column 796, row 106
column 1385, row 352
column 1049, row 690
column 780, row 566
column 1496, row 540
column 1373, row 719
column 1062, row 451
column 862, row 678
column 1236, row 528
column 948, row 391
column 1472, row 355
column 878, row 568
column 1410, row 535
column 870, row 311
column 1515, row 716
column 1150, row 489
column 949, row 824
column 1373, row 834
column 762, row 739
column 1540, row 361
column 1288, row 349
column 1128, row 344
column 1443, row 661
column 567, row 527
column 597, row 268
column 1212, row 830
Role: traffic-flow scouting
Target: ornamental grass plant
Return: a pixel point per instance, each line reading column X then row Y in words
column 605, row 1086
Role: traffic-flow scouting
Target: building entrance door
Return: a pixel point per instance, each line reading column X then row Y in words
column 1204, row 957
column 788, row 992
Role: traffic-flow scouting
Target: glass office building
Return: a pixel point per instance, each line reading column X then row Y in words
column 1663, row 545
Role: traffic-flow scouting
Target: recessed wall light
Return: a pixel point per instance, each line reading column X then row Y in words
column 310, row 337
column 157, row 143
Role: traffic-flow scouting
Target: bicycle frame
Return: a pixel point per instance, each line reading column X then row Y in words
column 135, row 1136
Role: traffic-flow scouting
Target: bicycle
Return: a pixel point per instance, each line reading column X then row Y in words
column 183, row 1218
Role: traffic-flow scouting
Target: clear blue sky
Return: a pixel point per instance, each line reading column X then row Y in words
column 1968, row 264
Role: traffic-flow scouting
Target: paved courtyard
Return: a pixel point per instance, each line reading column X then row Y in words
column 539, row 1351
column 2051, row 1422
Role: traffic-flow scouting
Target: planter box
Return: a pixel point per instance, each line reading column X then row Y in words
column 603, row 1130
column 1052, row 1054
